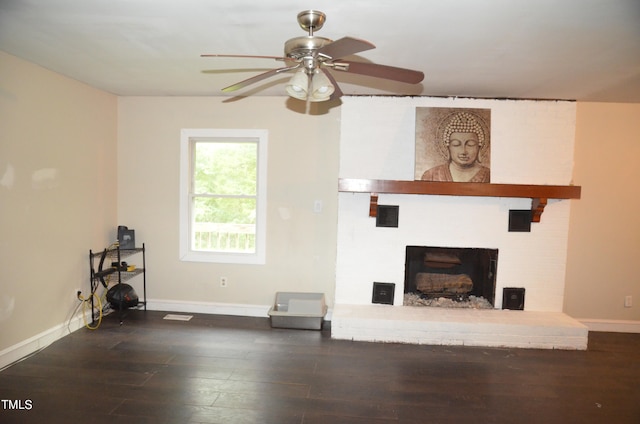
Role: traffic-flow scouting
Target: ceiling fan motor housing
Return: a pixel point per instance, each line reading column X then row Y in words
column 299, row 47
column 305, row 50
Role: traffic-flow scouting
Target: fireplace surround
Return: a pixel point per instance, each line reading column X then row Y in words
column 531, row 169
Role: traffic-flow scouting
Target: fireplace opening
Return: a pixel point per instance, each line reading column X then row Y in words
column 450, row 276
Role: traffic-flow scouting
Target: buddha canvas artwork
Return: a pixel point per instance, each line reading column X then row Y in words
column 453, row 144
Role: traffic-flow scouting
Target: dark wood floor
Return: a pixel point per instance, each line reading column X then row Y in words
column 219, row 369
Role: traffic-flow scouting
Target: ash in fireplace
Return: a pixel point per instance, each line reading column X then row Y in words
column 474, row 302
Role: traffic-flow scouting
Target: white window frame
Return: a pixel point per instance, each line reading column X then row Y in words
column 187, row 138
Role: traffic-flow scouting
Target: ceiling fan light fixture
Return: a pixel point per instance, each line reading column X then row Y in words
column 298, row 85
column 321, row 87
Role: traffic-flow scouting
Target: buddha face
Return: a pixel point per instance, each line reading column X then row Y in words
column 464, row 148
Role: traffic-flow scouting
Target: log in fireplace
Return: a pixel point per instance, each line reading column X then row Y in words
column 451, row 272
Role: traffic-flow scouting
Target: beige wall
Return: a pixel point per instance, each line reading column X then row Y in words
column 302, row 168
column 57, row 193
column 604, row 234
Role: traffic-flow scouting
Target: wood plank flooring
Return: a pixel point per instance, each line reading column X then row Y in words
column 222, row 369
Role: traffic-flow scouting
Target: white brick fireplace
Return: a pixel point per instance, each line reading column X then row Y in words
column 531, row 143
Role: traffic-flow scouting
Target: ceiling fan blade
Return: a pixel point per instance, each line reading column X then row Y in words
column 246, row 56
column 381, row 71
column 345, row 46
column 259, row 77
column 337, row 93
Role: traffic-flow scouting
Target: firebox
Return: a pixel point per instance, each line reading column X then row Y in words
column 451, row 272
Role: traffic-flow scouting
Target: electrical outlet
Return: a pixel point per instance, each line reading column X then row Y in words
column 223, row 281
column 628, row 301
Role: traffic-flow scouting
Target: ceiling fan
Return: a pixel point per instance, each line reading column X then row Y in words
column 310, row 56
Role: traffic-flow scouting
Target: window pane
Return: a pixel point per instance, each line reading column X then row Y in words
column 225, row 168
column 224, row 224
column 223, row 195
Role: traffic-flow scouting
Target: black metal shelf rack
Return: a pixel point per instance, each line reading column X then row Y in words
column 100, row 265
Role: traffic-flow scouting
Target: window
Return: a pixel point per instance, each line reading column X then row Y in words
column 223, row 195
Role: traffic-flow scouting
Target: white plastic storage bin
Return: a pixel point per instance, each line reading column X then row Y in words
column 305, row 311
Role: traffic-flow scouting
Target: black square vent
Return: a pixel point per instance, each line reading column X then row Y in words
column 383, row 293
column 520, row 220
column 513, row 298
column 387, row 216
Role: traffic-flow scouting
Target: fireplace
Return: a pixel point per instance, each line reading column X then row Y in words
column 457, row 274
column 384, row 128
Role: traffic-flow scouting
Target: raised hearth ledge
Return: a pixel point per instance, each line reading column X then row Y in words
column 458, row 327
column 539, row 194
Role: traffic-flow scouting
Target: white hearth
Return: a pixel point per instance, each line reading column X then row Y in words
column 458, row 327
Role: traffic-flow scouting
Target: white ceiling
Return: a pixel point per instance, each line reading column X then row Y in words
column 586, row 50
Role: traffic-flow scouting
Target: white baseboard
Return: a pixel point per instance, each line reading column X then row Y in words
column 236, row 309
column 260, row 311
column 611, row 325
column 39, row 341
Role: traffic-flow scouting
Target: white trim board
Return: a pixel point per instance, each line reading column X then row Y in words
column 611, row 325
column 212, row 308
column 40, row 341
column 260, row 311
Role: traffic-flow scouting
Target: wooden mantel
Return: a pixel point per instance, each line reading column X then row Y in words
column 539, row 194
